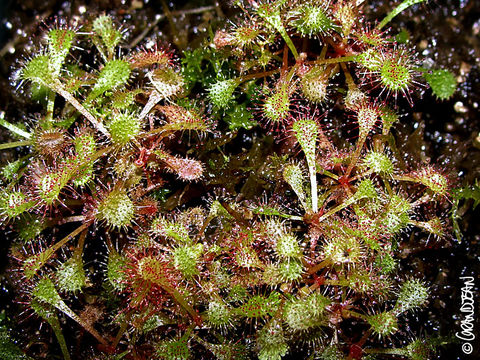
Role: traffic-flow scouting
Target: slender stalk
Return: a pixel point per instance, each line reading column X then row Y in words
column 258, row 75
column 335, row 60
column 313, row 186
column 46, row 293
column 354, row 314
column 323, row 53
column 387, row 186
column 70, row 236
column 121, row 331
column 404, row 178
column 238, row 217
column 57, row 329
column 307, row 136
column 45, row 255
column 259, row 211
column 348, row 78
column 288, row 41
column 336, row 209
column 204, row 226
column 330, row 174
column 13, row 128
column 58, row 88
column 276, row 22
column 81, row 242
column 319, row 266
column 181, row 301
column 70, row 219
column 361, row 342
column 356, row 154
column 362, row 136
column 293, row 217
column 159, row 92
column 50, row 108
column 87, row 326
column 15, row 144
column 404, row 5
column 153, row 100
column 424, row 199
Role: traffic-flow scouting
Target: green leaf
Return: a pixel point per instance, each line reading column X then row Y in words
column 59, row 43
column 113, row 74
column 471, row 192
column 468, row 192
column 442, row 82
column 107, row 36
column 38, row 70
column 239, row 117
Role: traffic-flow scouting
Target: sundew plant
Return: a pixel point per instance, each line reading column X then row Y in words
column 136, row 238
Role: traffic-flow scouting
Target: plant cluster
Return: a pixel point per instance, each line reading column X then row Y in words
column 120, row 143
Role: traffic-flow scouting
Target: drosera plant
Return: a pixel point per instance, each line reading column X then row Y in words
column 67, row 152
column 182, row 276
